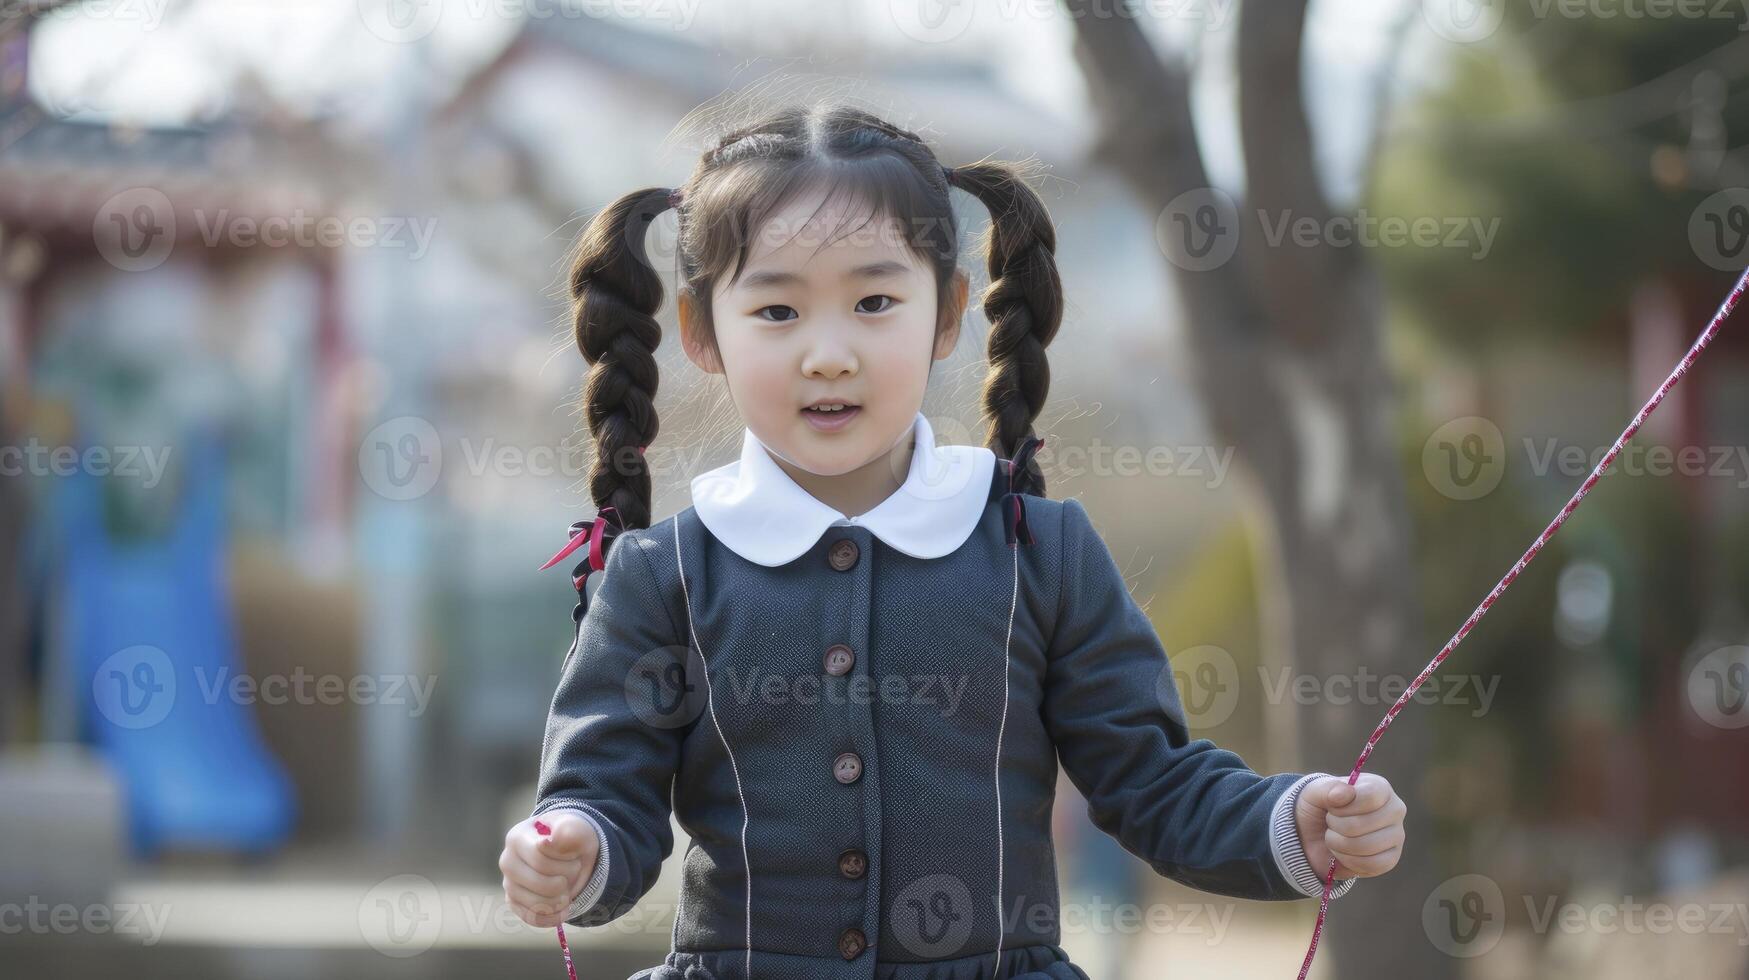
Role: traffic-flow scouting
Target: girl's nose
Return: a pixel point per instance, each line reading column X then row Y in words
column 828, row 356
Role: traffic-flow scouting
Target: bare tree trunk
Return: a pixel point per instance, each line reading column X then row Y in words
column 1286, row 353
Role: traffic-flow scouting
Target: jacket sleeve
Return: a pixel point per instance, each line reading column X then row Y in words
column 1194, row 812
column 610, row 751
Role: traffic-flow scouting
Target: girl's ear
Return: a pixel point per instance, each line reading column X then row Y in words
column 947, row 332
column 694, row 337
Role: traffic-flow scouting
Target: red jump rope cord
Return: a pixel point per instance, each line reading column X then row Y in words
column 565, row 947
column 1706, row 337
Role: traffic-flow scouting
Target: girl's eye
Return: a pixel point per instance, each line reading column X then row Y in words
column 778, row 306
column 883, row 309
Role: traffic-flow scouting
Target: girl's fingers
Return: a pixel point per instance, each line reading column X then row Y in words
column 527, row 849
column 1391, row 814
column 532, row 901
column 540, row 884
column 1370, row 793
column 1350, row 849
column 1367, row 867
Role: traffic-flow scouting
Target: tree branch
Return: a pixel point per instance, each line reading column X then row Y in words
column 1300, row 284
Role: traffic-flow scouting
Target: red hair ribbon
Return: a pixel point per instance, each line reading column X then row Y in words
column 1015, row 526
column 598, row 532
column 1681, row 369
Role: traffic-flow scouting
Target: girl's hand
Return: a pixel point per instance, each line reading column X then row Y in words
column 544, row 873
column 1360, row 825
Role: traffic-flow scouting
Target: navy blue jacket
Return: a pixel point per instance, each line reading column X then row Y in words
column 827, row 730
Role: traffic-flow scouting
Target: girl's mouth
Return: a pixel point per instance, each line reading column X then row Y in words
column 831, row 419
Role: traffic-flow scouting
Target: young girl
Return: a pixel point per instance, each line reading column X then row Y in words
column 852, row 665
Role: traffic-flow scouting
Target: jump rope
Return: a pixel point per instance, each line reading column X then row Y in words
column 1706, row 337
column 1688, row 359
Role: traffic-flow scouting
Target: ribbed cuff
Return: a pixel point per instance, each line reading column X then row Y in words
column 597, row 882
column 1290, row 856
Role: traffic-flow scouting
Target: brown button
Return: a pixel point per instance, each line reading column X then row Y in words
column 852, row 943
column 838, row 659
column 848, row 768
column 853, row 863
column 842, row 554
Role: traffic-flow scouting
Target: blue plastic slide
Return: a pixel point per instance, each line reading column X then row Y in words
column 149, row 626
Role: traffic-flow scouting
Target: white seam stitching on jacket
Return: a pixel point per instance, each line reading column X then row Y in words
column 711, row 706
column 1002, row 727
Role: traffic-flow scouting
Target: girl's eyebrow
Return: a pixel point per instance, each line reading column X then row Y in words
column 886, row 269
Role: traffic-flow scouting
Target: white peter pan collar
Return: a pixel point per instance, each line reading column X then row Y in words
column 763, row 515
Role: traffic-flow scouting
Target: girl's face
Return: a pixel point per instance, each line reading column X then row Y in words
column 853, row 321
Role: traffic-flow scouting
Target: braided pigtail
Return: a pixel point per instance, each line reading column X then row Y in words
column 615, row 295
column 1024, row 303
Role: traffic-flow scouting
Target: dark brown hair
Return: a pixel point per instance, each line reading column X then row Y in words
column 747, row 177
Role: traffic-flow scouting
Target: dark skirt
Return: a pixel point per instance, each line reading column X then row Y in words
column 1040, row 962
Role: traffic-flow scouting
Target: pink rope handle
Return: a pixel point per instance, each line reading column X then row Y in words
column 1706, row 338
column 541, row 828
